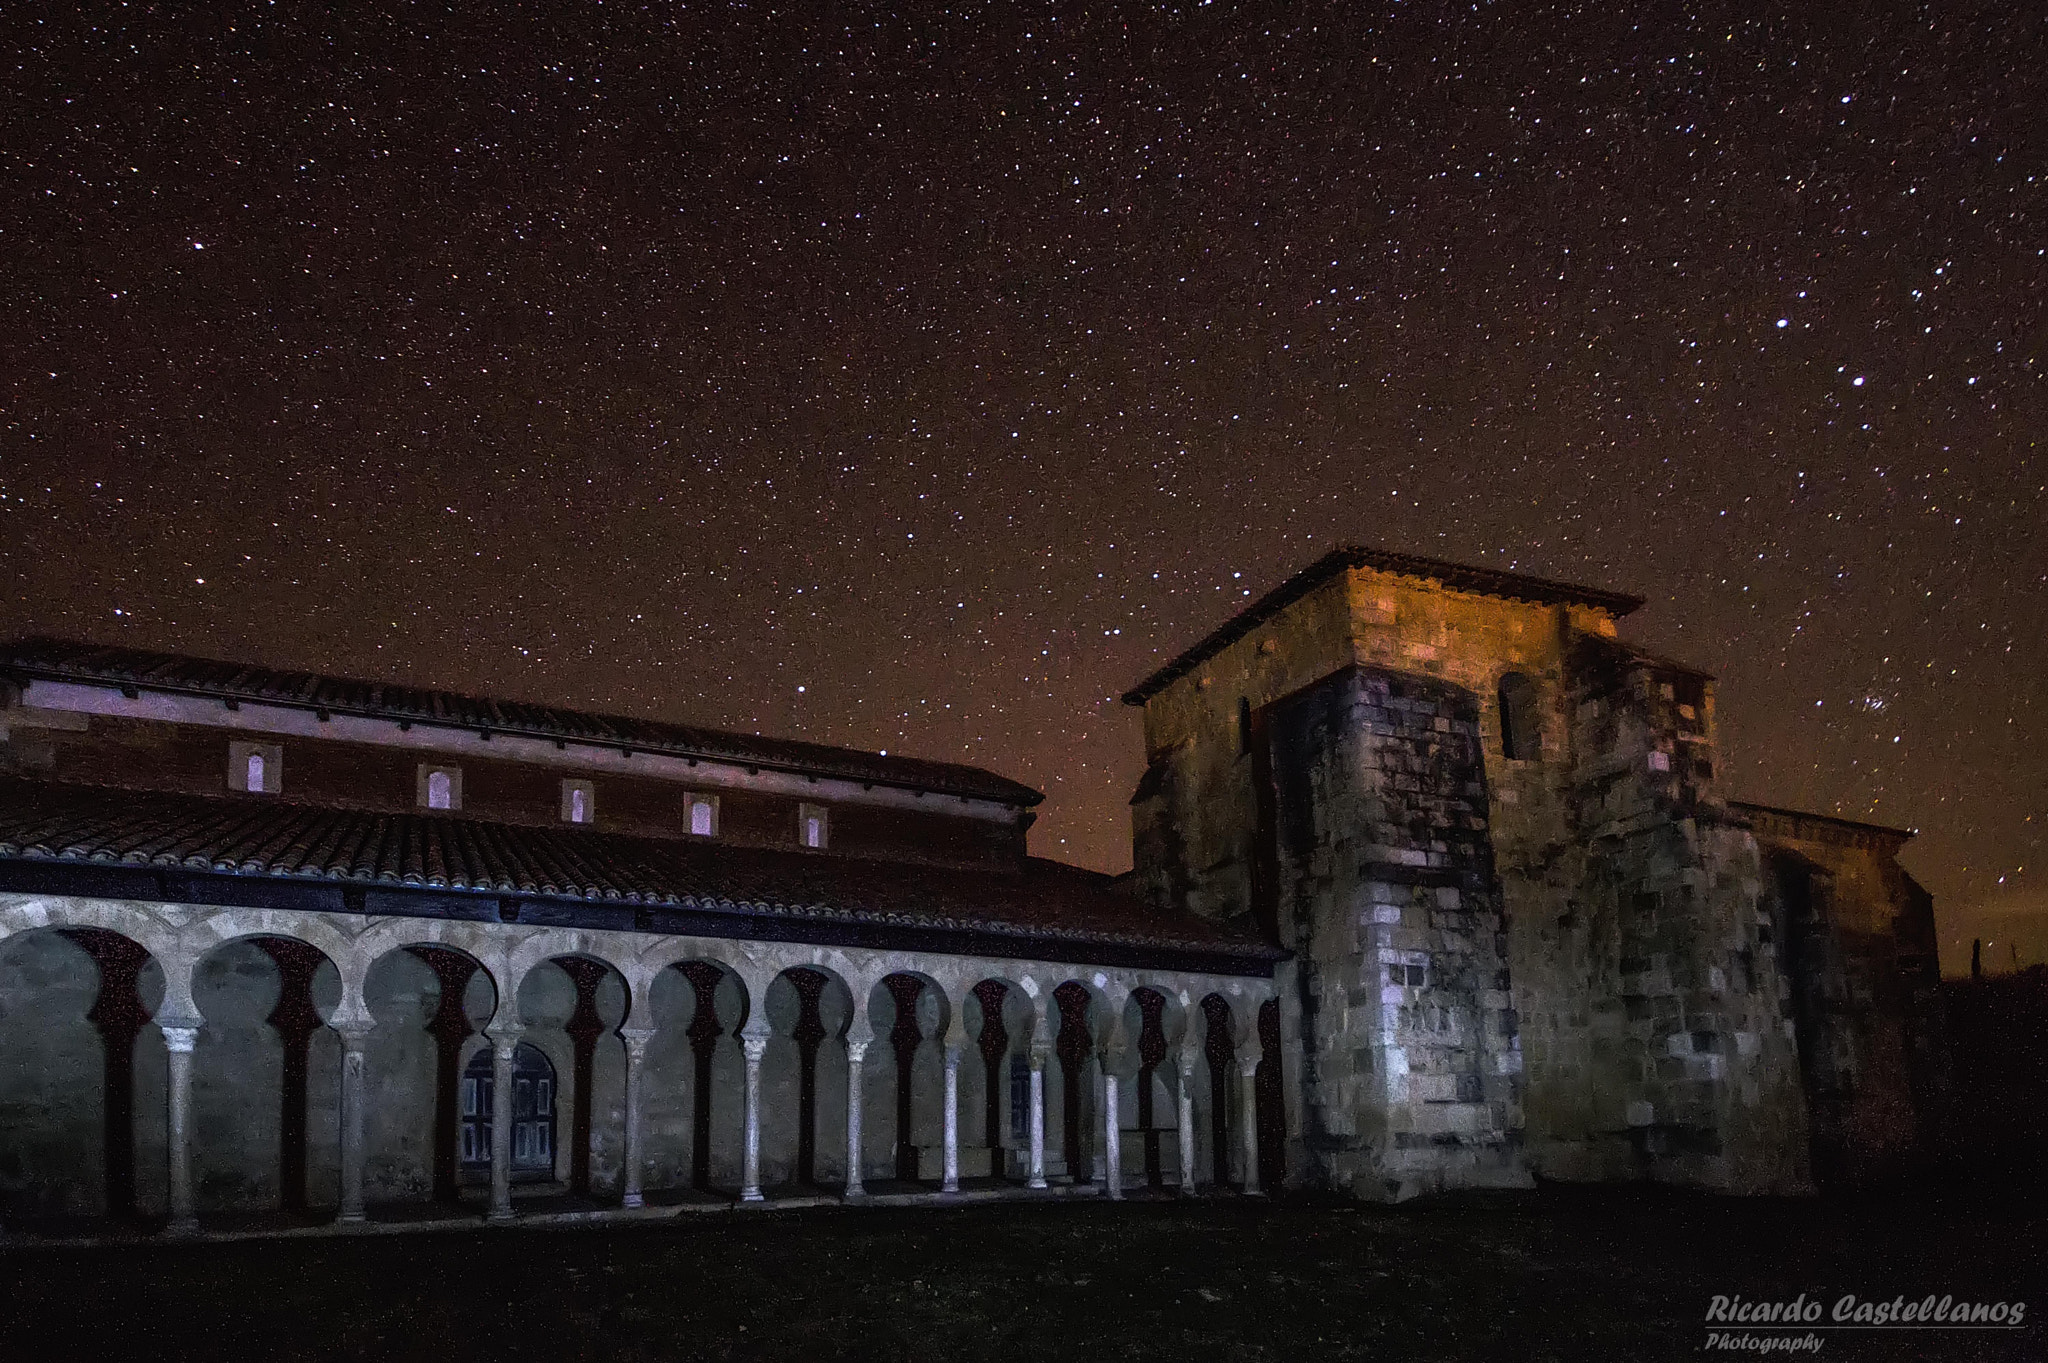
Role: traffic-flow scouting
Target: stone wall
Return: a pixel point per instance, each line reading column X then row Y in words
column 1410, row 1070
column 1856, row 935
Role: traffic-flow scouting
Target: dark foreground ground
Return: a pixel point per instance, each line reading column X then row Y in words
column 1553, row 1275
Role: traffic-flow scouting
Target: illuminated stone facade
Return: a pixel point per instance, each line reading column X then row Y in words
column 1531, row 936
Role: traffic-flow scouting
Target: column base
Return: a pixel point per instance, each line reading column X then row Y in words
column 952, row 1187
column 633, row 1200
column 855, row 1194
column 752, row 1195
column 183, row 1225
column 351, row 1219
column 1038, row 1183
column 501, row 1218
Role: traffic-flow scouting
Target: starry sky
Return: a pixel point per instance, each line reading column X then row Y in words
column 919, row 378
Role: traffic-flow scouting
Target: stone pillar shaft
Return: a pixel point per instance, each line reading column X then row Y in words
column 1112, row 1139
column 1037, row 1117
column 178, row 1044
column 504, row 1049
column 636, row 1040
column 1249, row 1068
column 856, row 1055
column 950, row 1183
column 1187, row 1127
column 1095, row 1160
column 755, row 1047
column 354, row 1041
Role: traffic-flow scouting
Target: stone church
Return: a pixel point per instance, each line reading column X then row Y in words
column 1433, row 887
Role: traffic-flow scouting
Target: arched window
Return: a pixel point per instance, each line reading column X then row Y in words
column 1521, row 724
column 440, row 790
column 257, row 768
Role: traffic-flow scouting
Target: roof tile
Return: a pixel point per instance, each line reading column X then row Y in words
column 266, row 837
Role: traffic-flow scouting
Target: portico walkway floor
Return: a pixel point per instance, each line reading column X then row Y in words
column 546, row 1205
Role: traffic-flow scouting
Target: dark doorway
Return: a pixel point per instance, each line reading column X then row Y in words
column 1071, row 1044
column 1221, row 1053
column 1271, row 1111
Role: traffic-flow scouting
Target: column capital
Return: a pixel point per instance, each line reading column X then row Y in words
column 1248, row 1058
column 1041, row 1051
column 505, row 1038
column 354, row 1032
column 856, row 1050
column 755, row 1045
column 180, row 1037
column 636, row 1039
column 953, row 1050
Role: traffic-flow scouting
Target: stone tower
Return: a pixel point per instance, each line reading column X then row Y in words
column 1529, row 936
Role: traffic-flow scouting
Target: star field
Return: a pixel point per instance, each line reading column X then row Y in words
column 920, row 379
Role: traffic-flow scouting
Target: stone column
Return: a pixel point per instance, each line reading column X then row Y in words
column 950, row 1183
column 755, row 1044
column 355, row 1038
column 504, row 1047
column 1038, row 1057
column 856, row 1056
column 1248, row 1068
column 1187, row 1124
column 636, row 1039
column 1095, row 1091
column 1112, row 1138
column 179, row 1039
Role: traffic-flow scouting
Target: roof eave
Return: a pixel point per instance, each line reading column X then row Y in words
column 1458, row 577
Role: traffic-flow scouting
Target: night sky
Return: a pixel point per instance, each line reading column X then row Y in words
column 920, row 379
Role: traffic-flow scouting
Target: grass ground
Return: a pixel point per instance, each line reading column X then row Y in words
column 1554, row 1275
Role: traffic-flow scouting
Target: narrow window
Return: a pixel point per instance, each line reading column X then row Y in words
column 1521, row 723
column 811, row 826
column 579, row 802
column 579, row 811
column 1244, row 724
column 255, row 767
column 703, row 816
column 440, row 787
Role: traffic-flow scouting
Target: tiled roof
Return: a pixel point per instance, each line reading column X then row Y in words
column 272, row 839
column 139, row 669
column 1458, row 576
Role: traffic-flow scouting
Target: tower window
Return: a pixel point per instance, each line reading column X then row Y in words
column 1521, row 721
column 440, row 787
column 579, row 802
column 1244, row 724
column 257, row 768
column 703, row 811
column 811, row 826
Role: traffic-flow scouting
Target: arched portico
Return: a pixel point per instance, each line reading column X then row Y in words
column 705, row 1080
